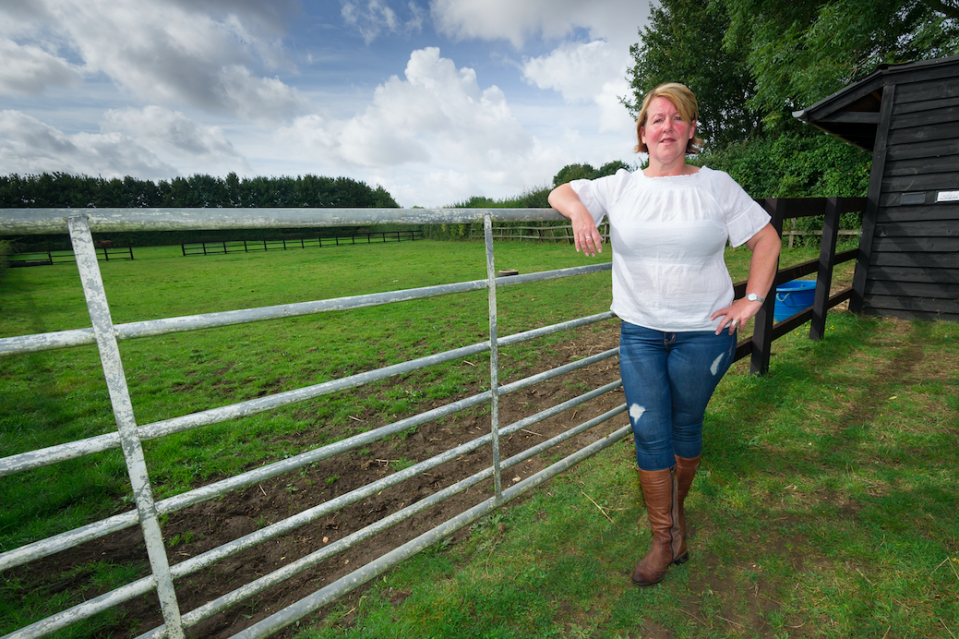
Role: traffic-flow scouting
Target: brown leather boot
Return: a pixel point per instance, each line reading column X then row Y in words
column 685, row 473
column 661, row 495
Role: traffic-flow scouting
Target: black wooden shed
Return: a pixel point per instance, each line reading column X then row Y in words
column 907, row 115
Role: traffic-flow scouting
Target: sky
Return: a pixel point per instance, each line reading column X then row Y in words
column 435, row 100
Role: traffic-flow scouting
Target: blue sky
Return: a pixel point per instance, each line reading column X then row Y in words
column 435, row 100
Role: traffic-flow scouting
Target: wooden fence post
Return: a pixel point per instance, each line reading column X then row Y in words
column 763, row 322
column 827, row 259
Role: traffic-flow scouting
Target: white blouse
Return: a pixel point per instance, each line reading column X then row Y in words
column 668, row 236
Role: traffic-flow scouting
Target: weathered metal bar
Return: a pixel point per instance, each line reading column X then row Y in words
column 279, row 400
column 99, row 309
column 85, row 610
column 377, row 567
column 61, row 452
column 493, row 356
column 67, row 540
column 516, row 338
column 47, row 341
column 151, row 328
column 559, row 370
column 43, row 221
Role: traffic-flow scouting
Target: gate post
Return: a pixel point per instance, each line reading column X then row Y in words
column 99, row 309
column 493, row 354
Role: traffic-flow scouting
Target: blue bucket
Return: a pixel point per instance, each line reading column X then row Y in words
column 793, row 297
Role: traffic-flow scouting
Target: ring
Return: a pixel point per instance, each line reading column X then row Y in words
column 735, row 322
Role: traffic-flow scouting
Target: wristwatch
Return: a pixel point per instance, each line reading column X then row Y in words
column 752, row 297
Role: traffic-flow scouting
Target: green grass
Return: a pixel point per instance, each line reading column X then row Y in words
column 826, row 505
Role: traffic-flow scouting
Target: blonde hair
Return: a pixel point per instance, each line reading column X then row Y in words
column 684, row 101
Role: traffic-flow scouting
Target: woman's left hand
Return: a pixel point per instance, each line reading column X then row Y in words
column 762, row 272
column 736, row 315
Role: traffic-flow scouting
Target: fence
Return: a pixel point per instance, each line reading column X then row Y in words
column 130, row 435
column 552, row 233
column 790, row 236
column 48, row 258
column 249, row 246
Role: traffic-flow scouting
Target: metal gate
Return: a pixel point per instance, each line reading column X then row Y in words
column 129, row 435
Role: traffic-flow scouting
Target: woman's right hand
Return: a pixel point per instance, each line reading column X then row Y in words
column 585, row 236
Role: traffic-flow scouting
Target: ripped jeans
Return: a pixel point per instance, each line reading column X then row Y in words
column 668, row 379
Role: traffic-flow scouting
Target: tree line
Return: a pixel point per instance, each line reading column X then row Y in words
column 62, row 190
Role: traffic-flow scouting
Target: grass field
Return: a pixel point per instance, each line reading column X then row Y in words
column 826, row 506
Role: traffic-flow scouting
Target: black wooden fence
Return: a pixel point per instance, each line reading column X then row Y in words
column 105, row 252
column 224, row 247
column 759, row 346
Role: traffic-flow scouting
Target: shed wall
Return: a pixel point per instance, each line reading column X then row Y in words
column 914, row 259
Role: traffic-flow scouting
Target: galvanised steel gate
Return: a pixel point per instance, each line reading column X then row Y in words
column 129, row 435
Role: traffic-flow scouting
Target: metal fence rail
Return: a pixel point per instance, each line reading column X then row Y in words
column 130, row 435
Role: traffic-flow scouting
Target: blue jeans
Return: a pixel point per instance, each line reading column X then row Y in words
column 668, row 379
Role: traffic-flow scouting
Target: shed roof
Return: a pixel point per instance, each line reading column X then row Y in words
column 852, row 113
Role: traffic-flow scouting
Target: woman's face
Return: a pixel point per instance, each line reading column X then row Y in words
column 665, row 133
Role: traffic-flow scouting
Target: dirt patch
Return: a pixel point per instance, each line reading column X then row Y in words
column 208, row 525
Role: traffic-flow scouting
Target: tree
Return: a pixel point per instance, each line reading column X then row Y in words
column 684, row 42
column 800, row 52
column 572, row 172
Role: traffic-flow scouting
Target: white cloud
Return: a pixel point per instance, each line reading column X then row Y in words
column 29, row 69
column 439, row 128
column 591, row 71
column 578, row 71
column 373, row 17
column 437, row 111
column 169, row 51
column 613, row 116
column 29, row 146
column 152, row 143
column 177, row 139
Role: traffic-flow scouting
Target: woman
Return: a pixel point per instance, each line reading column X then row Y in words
column 669, row 225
